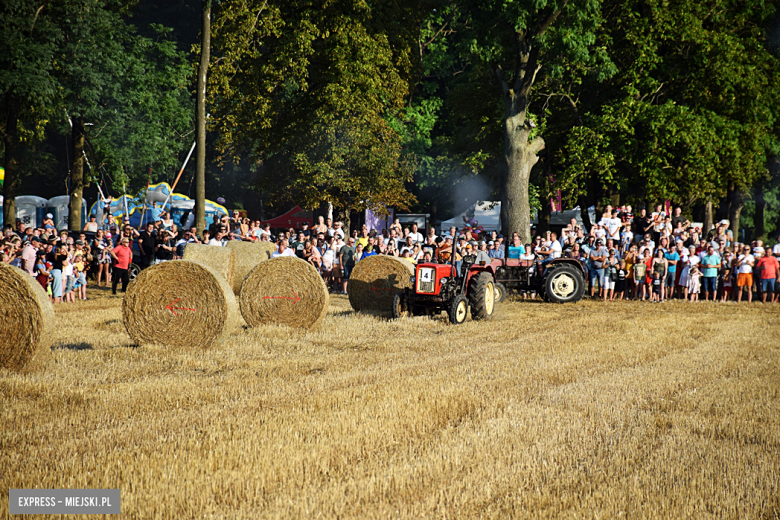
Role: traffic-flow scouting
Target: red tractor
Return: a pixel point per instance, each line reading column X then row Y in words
column 440, row 287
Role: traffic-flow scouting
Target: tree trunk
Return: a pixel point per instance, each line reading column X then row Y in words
column 707, row 217
column 76, row 175
column 200, row 157
column 758, row 219
column 735, row 209
column 544, row 218
column 520, row 150
column 614, row 197
column 11, row 159
column 582, row 202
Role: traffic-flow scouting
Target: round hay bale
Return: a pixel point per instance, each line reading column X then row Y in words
column 285, row 290
column 27, row 318
column 221, row 259
column 375, row 280
column 179, row 303
column 248, row 255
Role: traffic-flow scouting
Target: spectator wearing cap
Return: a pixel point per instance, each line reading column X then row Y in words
column 597, row 256
column 744, row 264
column 29, row 255
column 711, row 262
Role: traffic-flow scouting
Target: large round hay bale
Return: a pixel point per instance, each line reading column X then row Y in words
column 179, row 303
column 26, row 319
column 375, row 280
column 285, row 290
column 248, row 255
column 221, row 259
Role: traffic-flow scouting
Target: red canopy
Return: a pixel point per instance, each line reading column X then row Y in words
column 295, row 218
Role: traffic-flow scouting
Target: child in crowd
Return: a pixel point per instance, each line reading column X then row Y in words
column 640, row 269
column 69, row 280
column 694, row 283
column 620, row 285
column 656, row 296
column 42, row 270
column 728, row 284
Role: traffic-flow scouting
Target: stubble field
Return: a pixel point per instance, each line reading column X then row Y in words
column 591, row 410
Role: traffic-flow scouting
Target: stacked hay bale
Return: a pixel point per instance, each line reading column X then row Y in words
column 285, row 290
column 248, row 255
column 221, row 259
column 26, row 320
column 375, row 280
column 179, row 303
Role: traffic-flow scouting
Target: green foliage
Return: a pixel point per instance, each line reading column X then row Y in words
column 309, row 87
column 693, row 107
column 132, row 90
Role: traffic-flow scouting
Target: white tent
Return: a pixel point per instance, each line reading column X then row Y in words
column 487, row 214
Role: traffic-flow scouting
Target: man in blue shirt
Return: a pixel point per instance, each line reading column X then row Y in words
column 710, row 264
column 672, row 257
column 516, row 248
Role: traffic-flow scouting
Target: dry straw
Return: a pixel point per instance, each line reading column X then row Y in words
column 248, row 255
column 221, row 259
column 285, row 290
column 179, row 303
column 26, row 319
column 375, row 280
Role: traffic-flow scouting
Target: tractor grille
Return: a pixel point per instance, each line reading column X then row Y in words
column 425, row 287
column 426, row 281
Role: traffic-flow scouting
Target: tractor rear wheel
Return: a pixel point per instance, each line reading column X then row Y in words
column 482, row 296
column 500, row 292
column 400, row 308
column 459, row 309
column 564, row 283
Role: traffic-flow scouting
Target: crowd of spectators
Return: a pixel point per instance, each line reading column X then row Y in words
column 658, row 256
column 653, row 256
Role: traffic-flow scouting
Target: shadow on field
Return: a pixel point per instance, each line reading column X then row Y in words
column 73, row 346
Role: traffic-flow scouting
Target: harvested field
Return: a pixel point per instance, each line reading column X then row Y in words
column 548, row 411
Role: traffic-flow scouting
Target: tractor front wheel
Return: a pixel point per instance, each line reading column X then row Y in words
column 482, row 296
column 500, row 292
column 459, row 309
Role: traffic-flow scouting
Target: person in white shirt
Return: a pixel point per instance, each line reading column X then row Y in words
column 338, row 230
column 612, row 226
column 744, row 264
column 283, row 250
column 599, row 232
column 216, row 240
column 266, row 231
column 416, row 235
column 658, row 216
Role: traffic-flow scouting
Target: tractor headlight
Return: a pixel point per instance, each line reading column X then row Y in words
column 411, row 278
column 443, row 281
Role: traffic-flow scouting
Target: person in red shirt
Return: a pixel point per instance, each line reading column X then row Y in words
column 768, row 266
column 122, row 255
